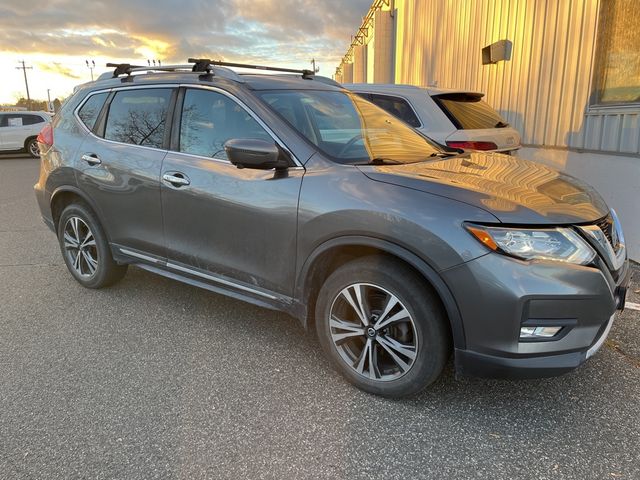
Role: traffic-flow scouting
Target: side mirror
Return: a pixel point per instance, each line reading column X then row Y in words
column 254, row 153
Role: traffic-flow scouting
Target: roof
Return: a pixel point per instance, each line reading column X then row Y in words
column 288, row 82
column 402, row 88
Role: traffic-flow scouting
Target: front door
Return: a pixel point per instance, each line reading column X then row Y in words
column 239, row 224
column 120, row 169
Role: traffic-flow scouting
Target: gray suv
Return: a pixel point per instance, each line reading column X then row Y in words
column 291, row 193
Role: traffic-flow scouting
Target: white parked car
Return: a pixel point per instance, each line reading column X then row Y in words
column 18, row 131
column 456, row 118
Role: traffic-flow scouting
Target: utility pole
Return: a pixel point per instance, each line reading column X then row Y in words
column 315, row 69
column 91, row 66
column 49, row 106
column 26, row 83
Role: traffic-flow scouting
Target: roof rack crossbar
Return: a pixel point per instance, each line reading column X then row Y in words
column 121, row 68
column 205, row 64
column 125, row 68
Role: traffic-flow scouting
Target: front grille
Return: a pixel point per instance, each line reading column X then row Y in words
column 606, row 225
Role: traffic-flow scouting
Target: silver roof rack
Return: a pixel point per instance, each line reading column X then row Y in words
column 203, row 66
column 128, row 69
column 206, row 65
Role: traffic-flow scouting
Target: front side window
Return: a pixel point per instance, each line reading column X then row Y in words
column 91, row 109
column 209, row 119
column 348, row 128
column 138, row 117
column 617, row 72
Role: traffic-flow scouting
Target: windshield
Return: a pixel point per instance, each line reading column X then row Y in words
column 349, row 129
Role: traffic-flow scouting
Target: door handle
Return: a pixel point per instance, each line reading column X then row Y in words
column 176, row 179
column 91, row 159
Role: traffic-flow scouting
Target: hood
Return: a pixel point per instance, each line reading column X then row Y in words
column 512, row 189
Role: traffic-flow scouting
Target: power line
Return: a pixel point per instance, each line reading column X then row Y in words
column 26, row 83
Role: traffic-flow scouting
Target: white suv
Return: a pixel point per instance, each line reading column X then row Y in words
column 19, row 130
column 456, row 118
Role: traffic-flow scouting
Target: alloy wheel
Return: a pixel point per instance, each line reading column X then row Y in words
column 34, row 150
column 373, row 332
column 80, row 247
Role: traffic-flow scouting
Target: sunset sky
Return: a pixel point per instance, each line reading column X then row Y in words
column 55, row 37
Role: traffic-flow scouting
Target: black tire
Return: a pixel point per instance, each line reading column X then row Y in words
column 380, row 280
column 32, row 148
column 105, row 271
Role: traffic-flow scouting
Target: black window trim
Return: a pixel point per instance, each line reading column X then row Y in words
column 174, row 115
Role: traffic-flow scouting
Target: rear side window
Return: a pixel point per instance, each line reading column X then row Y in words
column 138, row 117
column 469, row 112
column 396, row 106
column 19, row 119
column 91, row 109
column 209, row 119
column 31, row 119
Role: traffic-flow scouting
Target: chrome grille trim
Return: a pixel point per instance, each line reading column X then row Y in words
column 606, row 225
column 607, row 238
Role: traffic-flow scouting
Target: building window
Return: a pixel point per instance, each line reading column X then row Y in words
column 617, row 73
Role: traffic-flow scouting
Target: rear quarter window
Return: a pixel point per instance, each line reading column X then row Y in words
column 89, row 112
column 31, row 119
column 469, row 112
column 396, row 106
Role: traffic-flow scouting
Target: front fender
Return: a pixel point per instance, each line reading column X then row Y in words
column 428, row 272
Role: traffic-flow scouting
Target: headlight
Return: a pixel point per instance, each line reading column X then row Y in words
column 559, row 244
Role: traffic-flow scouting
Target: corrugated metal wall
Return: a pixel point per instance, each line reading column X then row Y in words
column 543, row 90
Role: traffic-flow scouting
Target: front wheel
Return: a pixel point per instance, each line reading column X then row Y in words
column 382, row 326
column 85, row 248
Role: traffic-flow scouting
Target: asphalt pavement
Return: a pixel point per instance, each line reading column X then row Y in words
column 155, row 379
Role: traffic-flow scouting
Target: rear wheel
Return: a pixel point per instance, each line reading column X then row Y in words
column 85, row 248
column 32, row 148
column 382, row 326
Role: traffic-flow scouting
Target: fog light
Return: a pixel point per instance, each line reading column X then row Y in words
column 532, row 333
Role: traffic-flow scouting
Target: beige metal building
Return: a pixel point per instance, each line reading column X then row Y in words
column 571, row 85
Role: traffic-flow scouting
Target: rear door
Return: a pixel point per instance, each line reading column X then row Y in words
column 119, row 165
column 231, row 226
column 16, row 129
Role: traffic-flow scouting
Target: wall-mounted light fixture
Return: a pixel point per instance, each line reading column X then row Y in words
column 500, row 50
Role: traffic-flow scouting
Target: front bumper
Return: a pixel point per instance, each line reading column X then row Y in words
column 497, row 294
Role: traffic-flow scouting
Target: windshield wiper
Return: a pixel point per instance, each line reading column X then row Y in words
column 383, row 161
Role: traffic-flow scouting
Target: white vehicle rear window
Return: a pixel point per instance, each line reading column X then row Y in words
column 469, row 112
